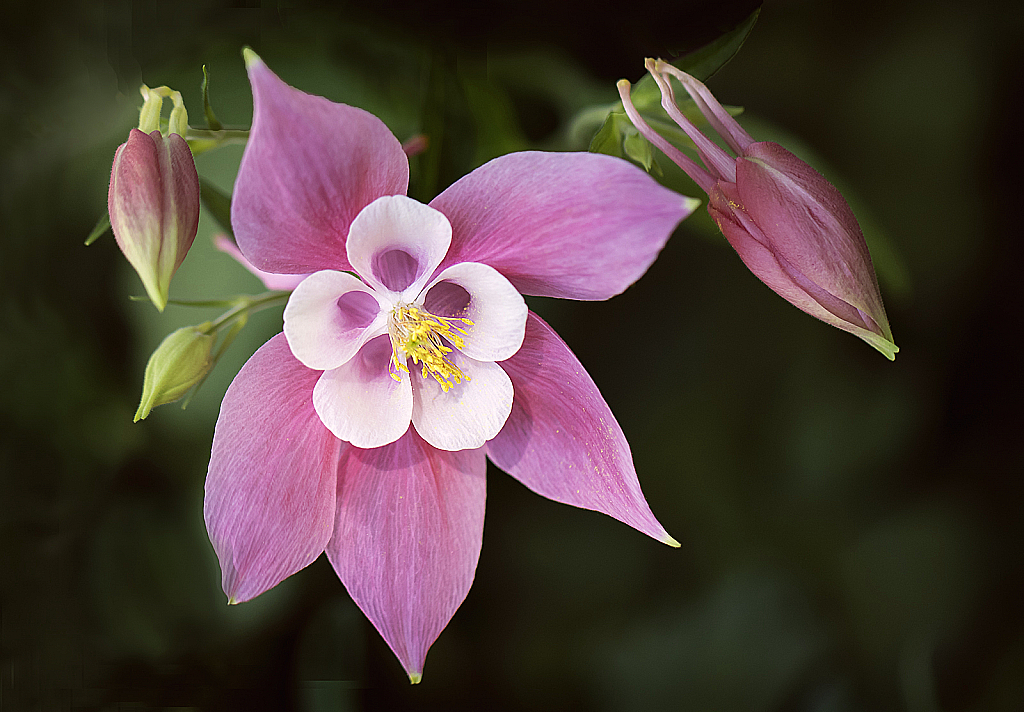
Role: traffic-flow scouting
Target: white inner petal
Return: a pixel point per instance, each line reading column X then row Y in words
column 469, row 413
column 360, row 402
column 395, row 243
column 329, row 316
column 481, row 294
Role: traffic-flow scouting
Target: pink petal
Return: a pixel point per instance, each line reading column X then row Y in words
column 470, row 413
column 407, row 538
column 396, row 242
column 821, row 237
column 270, row 490
column 360, row 402
column 273, row 282
column 772, row 268
column 562, row 440
column 575, row 225
column 309, row 167
column 479, row 293
column 329, row 316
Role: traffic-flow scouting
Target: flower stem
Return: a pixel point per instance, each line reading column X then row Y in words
column 245, row 306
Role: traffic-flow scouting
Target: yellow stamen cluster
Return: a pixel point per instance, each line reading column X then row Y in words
column 418, row 333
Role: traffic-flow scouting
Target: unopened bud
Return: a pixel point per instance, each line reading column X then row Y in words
column 180, row 361
column 153, row 200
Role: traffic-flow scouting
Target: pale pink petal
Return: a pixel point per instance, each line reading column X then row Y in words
column 309, row 167
column 562, row 440
column 270, row 490
column 697, row 173
column 479, row 293
column 329, row 317
column 396, row 243
column 407, row 538
column 720, row 119
column 719, row 162
column 360, row 402
column 574, row 225
column 470, row 413
column 273, row 282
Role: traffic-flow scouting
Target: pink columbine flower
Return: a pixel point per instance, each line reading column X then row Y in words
column 153, row 200
column 790, row 226
column 409, row 356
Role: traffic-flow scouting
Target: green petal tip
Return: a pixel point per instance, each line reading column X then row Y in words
column 250, row 57
column 670, row 541
column 415, row 677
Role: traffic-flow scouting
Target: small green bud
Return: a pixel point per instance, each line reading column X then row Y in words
column 180, row 361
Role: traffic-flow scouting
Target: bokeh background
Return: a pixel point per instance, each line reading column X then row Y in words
column 851, row 528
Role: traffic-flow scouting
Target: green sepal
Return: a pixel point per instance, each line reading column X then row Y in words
column 102, row 225
column 211, row 119
column 181, row 361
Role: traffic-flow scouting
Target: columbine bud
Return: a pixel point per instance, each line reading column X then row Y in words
column 154, row 195
column 179, row 362
column 788, row 224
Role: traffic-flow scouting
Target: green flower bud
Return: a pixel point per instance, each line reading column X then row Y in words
column 180, row 361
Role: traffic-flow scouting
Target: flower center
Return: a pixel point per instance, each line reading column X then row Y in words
column 418, row 333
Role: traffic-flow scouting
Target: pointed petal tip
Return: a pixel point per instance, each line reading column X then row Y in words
column 232, row 601
column 667, row 539
column 690, row 204
column 251, row 58
column 415, row 678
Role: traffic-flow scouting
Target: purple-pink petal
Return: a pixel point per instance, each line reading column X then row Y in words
column 309, row 167
column 562, row 440
column 271, row 486
column 818, row 233
column 573, row 225
column 409, row 527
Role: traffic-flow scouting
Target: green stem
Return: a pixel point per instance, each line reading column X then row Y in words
column 247, row 306
column 220, row 136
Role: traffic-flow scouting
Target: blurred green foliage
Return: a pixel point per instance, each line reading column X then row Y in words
column 852, row 529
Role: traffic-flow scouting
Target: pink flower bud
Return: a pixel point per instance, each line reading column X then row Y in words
column 789, row 225
column 154, row 206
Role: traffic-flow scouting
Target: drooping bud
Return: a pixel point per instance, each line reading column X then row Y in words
column 154, row 195
column 788, row 223
column 180, row 361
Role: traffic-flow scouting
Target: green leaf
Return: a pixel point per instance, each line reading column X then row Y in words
column 701, row 64
column 608, row 139
column 638, row 149
column 218, row 203
column 211, row 119
column 102, row 225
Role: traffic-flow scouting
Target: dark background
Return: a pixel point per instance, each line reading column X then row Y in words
column 851, row 528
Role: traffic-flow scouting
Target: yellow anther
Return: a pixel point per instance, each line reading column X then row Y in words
column 421, row 335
